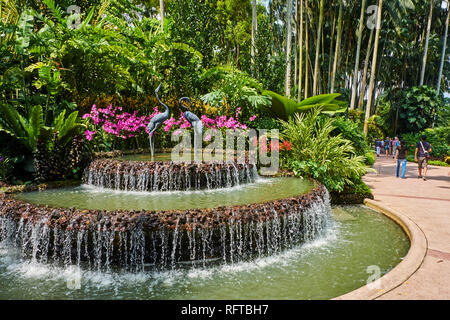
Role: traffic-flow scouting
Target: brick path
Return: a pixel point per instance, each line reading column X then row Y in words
column 427, row 203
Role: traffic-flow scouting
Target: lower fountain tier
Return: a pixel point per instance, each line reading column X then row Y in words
column 134, row 239
column 167, row 175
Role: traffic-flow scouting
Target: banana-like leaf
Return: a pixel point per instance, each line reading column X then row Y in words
column 320, row 99
column 283, row 108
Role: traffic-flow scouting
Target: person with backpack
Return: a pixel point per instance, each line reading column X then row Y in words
column 400, row 156
column 423, row 150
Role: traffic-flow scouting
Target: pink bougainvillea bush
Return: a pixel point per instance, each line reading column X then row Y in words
column 104, row 125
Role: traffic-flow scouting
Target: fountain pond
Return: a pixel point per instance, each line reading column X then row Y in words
column 207, row 231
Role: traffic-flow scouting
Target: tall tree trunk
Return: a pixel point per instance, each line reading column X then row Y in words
column 338, row 47
column 358, row 51
column 300, row 46
column 306, row 51
column 316, row 64
column 427, row 38
column 374, row 67
column 161, row 13
column 441, row 67
column 366, row 67
column 295, row 45
column 254, row 30
column 330, row 62
column 288, row 48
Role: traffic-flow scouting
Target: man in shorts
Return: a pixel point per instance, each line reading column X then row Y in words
column 423, row 149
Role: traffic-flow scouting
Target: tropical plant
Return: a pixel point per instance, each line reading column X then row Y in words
column 284, row 108
column 409, row 110
column 235, row 88
column 29, row 131
column 318, row 154
column 439, row 138
column 352, row 132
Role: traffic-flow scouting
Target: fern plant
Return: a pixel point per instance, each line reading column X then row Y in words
column 29, row 131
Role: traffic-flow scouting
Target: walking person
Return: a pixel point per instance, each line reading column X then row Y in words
column 378, row 146
column 395, row 144
column 423, row 149
column 387, row 142
column 400, row 156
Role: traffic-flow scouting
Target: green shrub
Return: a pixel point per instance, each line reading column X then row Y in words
column 352, row 194
column 437, row 137
column 316, row 153
column 370, row 158
column 409, row 110
column 350, row 131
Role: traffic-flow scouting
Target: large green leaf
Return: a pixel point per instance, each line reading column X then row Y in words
column 35, row 124
column 24, row 30
column 320, row 99
column 283, row 108
column 69, row 128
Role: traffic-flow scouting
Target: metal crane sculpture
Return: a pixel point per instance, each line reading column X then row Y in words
column 196, row 124
column 157, row 121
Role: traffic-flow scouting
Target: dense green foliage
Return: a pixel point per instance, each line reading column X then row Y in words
column 318, row 154
column 55, row 65
column 410, row 110
column 439, row 138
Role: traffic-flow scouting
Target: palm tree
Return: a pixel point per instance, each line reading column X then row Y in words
column 300, row 45
column 338, row 46
column 161, row 12
column 366, row 67
column 288, row 48
column 443, row 50
column 358, row 51
column 425, row 53
column 316, row 64
column 306, row 51
column 374, row 66
column 254, row 30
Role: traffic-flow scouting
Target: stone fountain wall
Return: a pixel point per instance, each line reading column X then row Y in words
column 167, row 176
column 135, row 240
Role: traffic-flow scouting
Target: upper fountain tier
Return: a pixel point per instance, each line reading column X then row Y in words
column 167, row 175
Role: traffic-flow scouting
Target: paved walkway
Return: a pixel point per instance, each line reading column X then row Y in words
column 427, row 203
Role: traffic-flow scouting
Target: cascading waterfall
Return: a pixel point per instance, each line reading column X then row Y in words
column 167, row 176
column 137, row 248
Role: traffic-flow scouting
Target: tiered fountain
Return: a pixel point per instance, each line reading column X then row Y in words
column 138, row 214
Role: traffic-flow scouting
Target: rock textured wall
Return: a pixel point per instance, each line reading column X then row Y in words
column 164, row 239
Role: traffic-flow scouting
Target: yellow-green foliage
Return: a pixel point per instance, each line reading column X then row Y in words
column 318, row 154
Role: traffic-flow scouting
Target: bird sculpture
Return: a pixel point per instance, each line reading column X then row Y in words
column 157, row 121
column 196, row 124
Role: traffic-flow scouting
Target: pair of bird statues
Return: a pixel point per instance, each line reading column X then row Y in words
column 159, row 119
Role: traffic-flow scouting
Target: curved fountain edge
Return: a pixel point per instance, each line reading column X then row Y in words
column 114, row 220
column 402, row 271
